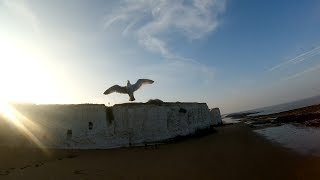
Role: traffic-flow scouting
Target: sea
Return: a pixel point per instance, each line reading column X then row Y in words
column 286, row 106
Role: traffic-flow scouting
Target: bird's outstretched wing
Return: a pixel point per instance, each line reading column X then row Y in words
column 140, row 82
column 116, row 88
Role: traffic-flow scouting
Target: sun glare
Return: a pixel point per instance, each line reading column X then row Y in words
column 26, row 126
column 25, row 75
column 6, row 111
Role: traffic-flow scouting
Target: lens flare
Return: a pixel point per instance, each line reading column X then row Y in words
column 25, row 126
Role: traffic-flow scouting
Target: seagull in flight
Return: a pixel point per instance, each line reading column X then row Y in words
column 129, row 89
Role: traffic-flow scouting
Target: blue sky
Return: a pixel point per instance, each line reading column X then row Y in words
column 235, row 55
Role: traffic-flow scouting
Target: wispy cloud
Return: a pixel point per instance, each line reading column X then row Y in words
column 304, row 72
column 152, row 21
column 298, row 59
column 21, row 9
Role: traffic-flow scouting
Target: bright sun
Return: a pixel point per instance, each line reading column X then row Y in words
column 24, row 74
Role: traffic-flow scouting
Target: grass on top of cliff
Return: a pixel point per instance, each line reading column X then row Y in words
column 155, row 102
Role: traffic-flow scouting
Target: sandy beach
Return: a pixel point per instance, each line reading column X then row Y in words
column 232, row 152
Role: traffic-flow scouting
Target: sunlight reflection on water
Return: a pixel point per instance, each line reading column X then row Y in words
column 230, row 121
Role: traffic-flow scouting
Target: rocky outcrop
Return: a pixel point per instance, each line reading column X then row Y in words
column 216, row 116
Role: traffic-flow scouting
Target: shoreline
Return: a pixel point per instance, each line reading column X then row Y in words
column 233, row 152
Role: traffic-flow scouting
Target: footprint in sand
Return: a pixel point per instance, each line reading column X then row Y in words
column 38, row 164
column 79, row 171
column 72, row 156
column 25, row 166
column 4, row 172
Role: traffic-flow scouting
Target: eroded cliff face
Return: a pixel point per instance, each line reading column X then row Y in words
column 148, row 122
column 215, row 112
column 94, row 126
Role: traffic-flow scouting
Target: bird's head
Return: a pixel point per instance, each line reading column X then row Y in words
column 128, row 82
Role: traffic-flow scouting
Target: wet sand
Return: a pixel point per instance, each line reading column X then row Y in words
column 233, row 152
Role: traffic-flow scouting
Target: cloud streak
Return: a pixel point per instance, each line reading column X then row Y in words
column 298, row 59
column 23, row 11
column 306, row 71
